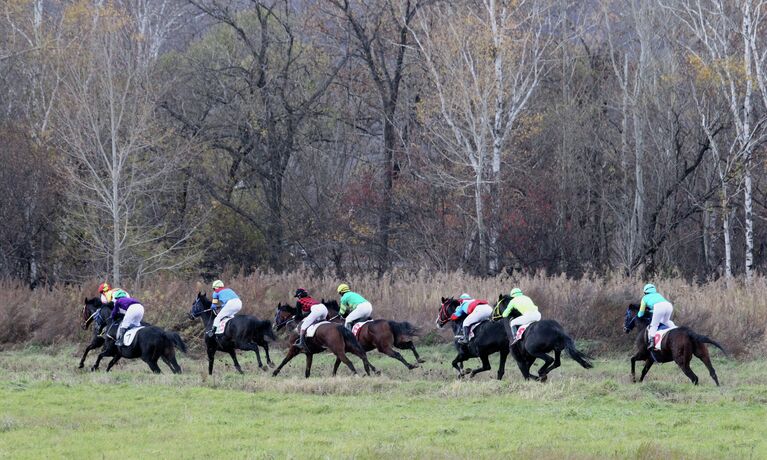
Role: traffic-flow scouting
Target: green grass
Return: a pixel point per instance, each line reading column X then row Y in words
column 51, row 410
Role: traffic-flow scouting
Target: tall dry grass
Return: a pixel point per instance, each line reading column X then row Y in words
column 590, row 308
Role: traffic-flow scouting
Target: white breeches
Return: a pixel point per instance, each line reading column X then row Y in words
column 317, row 313
column 229, row 309
column 363, row 311
column 527, row 318
column 661, row 314
column 133, row 316
column 481, row 312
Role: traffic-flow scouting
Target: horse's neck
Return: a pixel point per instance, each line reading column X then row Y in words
column 207, row 318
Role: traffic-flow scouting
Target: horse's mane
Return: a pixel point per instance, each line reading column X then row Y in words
column 286, row 307
column 331, row 304
column 633, row 307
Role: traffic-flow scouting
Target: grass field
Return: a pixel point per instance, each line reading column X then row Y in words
column 49, row 409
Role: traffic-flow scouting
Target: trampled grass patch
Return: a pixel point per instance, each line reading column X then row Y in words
column 51, row 410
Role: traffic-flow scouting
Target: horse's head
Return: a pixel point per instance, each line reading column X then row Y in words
column 503, row 302
column 90, row 309
column 446, row 310
column 631, row 318
column 200, row 305
column 284, row 315
column 332, row 305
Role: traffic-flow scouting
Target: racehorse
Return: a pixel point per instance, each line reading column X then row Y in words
column 540, row 338
column 678, row 345
column 489, row 338
column 150, row 344
column 382, row 335
column 334, row 337
column 243, row 332
column 96, row 313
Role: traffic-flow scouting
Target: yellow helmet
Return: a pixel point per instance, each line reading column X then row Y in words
column 218, row 284
column 343, row 288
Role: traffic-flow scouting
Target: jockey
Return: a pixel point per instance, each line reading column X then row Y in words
column 475, row 312
column 660, row 308
column 316, row 312
column 228, row 301
column 107, row 292
column 359, row 309
column 528, row 312
column 132, row 310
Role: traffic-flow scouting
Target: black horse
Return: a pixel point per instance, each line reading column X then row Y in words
column 540, row 338
column 678, row 345
column 94, row 313
column 489, row 338
column 243, row 332
column 151, row 344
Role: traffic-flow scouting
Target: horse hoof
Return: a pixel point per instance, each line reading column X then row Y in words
column 271, row 365
column 421, row 360
column 274, row 374
column 543, row 378
column 412, row 366
column 81, row 366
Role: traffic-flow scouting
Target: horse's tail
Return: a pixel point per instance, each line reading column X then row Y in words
column 704, row 339
column 349, row 338
column 176, row 339
column 403, row 330
column 579, row 357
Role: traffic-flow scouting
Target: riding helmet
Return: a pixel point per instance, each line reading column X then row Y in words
column 218, row 284
column 301, row 292
column 343, row 288
column 104, row 287
column 119, row 294
column 649, row 289
column 516, row 292
column 465, row 296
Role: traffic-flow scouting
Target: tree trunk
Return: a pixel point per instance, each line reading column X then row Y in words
column 384, row 220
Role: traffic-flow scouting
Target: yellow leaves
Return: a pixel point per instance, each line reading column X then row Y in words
column 82, row 16
column 713, row 72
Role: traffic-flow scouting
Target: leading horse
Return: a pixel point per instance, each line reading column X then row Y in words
column 330, row 336
column 96, row 313
column 151, row 344
column 243, row 332
column 678, row 345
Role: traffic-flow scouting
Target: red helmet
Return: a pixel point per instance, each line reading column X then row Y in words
column 104, row 287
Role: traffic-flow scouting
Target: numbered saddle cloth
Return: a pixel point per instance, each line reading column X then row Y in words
column 474, row 327
column 311, row 329
column 222, row 325
column 130, row 334
column 658, row 338
column 521, row 330
column 358, row 326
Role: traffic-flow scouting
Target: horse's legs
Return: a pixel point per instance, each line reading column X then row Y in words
column 112, row 362
column 418, row 359
column 547, row 362
column 557, row 360
column 233, row 354
column 101, row 356
column 702, row 353
column 457, row 365
column 292, row 352
column 335, row 366
column 365, row 362
column 633, row 367
column 95, row 343
column 394, row 354
column 647, row 365
column 683, row 361
column 268, row 359
column 502, row 362
column 152, row 363
column 308, row 365
column 211, row 358
column 170, row 360
column 485, row 365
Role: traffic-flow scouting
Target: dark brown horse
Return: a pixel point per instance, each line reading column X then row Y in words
column 333, row 337
column 678, row 345
column 382, row 335
column 97, row 314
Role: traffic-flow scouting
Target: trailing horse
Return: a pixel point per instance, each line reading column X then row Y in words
column 243, row 332
column 678, row 345
column 489, row 338
column 382, row 335
column 540, row 338
column 95, row 313
column 151, row 344
column 330, row 336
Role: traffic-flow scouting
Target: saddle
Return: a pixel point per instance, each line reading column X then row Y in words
column 357, row 327
column 313, row 328
column 130, row 334
column 658, row 338
column 222, row 325
column 521, row 330
column 474, row 327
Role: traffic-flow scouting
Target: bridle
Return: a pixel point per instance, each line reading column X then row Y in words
column 279, row 325
column 443, row 316
column 196, row 314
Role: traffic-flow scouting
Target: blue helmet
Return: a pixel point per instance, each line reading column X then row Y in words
column 649, row 289
column 465, row 296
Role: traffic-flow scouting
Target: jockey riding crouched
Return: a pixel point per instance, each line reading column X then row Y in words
column 228, row 301
column 132, row 311
column 475, row 312
column 106, row 292
column 660, row 308
column 528, row 313
column 316, row 312
column 357, row 307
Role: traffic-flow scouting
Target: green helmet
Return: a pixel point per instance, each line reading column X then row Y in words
column 649, row 289
column 516, row 292
column 465, row 296
column 119, row 294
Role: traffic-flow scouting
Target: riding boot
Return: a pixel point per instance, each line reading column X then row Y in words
column 514, row 330
column 211, row 332
column 119, row 339
column 465, row 338
column 650, row 343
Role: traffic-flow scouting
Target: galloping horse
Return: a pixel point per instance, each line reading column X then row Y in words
column 150, row 344
column 381, row 334
column 96, row 313
column 243, row 332
column 678, row 345
column 333, row 337
column 540, row 338
column 489, row 338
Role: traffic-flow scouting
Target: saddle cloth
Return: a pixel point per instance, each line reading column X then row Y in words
column 521, row 330
column 222, row 325
column 310, row 331
column 130, row 334
column 658, row 339
column 358, row 326
column 474, row 326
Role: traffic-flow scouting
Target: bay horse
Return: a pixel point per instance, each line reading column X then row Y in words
column 539, row 339
column 333, row 337
column 489, row 338
column 151, row 344
column 381, row 335
column 96, row 313
column 243, row 332
column 678, row 345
